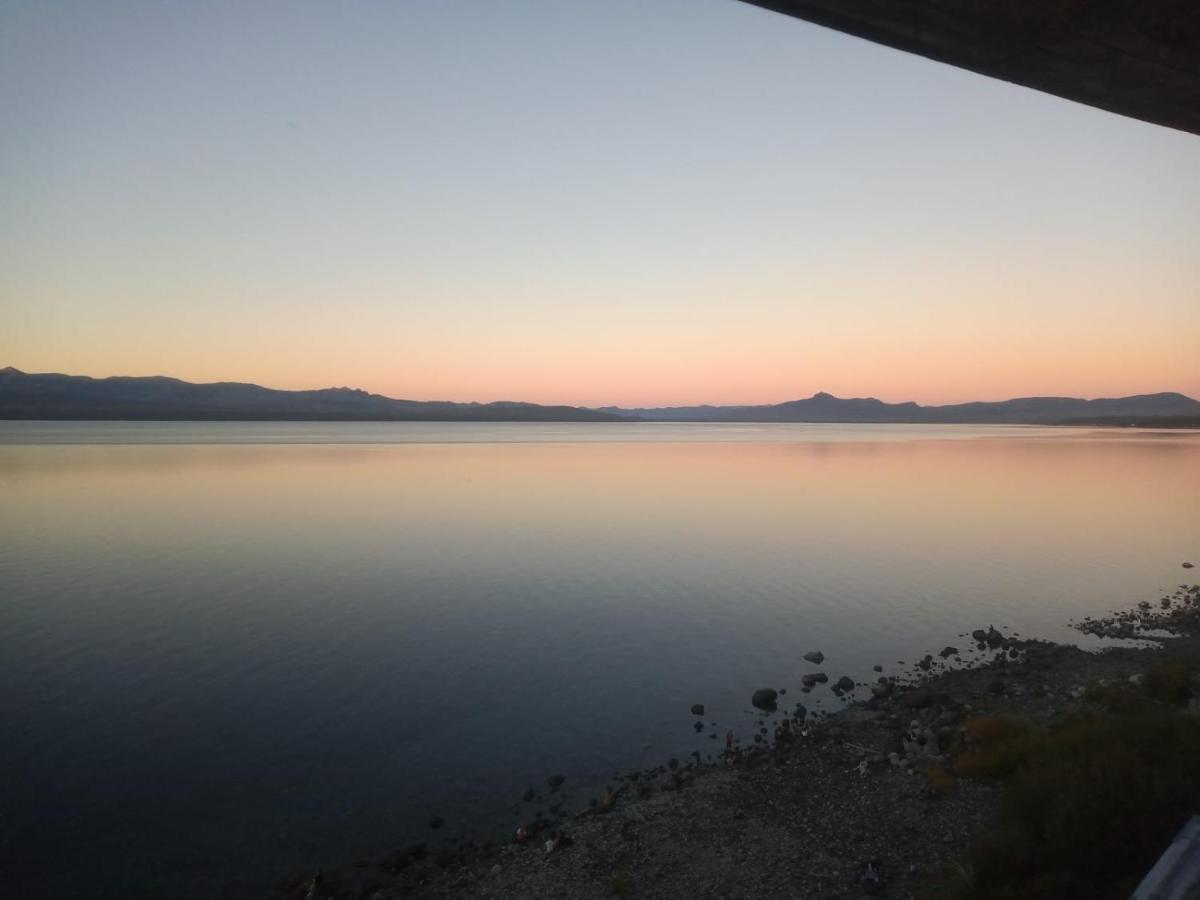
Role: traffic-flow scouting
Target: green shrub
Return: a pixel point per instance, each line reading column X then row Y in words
column 1115, row 698
column 998, row 746
column 1169, row 683
column 620, row 886
column 1090, row 806
column 939, row 781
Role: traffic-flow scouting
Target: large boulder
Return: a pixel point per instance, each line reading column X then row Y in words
column 764, row 698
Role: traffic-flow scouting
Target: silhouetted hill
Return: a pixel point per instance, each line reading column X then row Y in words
column 53, row 396
column 1168, row 409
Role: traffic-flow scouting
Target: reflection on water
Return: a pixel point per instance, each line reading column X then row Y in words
column 233, row 649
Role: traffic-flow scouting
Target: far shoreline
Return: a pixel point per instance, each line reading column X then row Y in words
column 1186, row 424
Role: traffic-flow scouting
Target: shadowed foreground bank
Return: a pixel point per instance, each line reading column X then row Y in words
column 1046, row 771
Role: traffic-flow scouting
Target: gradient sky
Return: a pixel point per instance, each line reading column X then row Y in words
column 635, row 202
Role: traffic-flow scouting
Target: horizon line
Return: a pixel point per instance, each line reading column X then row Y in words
column 612, row 406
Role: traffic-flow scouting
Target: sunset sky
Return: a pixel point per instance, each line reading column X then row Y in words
column 639, row 202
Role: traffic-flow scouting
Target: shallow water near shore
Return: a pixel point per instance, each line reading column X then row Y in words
column 232, row 651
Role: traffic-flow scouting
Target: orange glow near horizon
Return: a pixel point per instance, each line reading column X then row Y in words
column 593, row 209
column 754, row 350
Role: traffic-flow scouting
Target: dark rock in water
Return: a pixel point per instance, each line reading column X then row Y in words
column 801, row 711
column 1188, row 565
column 877, row 668
column 436, row 822
column 979, row 635
column 529, row 795
column 926, row 663
column 948, row 652
column 672, row 764
column 764, row 698
column 816, row 656
column 697, row 709
column 814, row 678
column 699, row 726
column 782, row 691
column 554, row 782
column 845, row 683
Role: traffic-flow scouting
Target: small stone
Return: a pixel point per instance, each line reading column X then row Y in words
column 877, row 668
column 845, row 683
column 1188, row 565
column 815, row 656
column 947, row 652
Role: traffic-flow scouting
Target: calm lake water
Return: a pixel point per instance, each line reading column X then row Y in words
column 235, row 651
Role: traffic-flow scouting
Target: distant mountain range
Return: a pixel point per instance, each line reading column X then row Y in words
column 1143, row 409
column 53, row 396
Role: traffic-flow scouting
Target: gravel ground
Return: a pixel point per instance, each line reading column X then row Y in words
column 860, row 803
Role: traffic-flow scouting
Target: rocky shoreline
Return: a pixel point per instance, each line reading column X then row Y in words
column 868, row 801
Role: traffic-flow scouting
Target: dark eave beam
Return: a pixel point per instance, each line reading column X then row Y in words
column 1138, row 58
